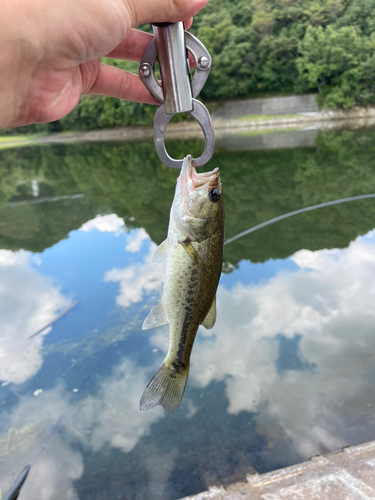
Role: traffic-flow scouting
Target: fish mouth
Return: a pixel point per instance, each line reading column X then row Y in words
column 199, row 181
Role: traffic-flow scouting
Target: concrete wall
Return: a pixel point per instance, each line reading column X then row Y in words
column 270, row 106
column 274, row 140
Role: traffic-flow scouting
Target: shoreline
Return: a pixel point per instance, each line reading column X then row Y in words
column 323, row 120
column 253, row 125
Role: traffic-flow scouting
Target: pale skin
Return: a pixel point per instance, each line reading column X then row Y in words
column 51, row 49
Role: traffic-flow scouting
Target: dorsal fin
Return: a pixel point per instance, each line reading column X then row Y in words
column 157, row 316
column 210, row 319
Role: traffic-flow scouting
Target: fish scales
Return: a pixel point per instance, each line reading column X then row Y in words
column 190, row 293
column 193, row 252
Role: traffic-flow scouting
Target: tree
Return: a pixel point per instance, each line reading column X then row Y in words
column 331, row 61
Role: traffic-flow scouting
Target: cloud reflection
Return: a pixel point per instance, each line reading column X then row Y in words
column 326, row 304
column 110, row 223
column 135, row 241
column 28, row 301
column 54, row 473
column 137, row 279
column 117, row 420
column 110, row 418
column 328, row 301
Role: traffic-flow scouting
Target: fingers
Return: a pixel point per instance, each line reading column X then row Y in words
column 151, row 11
column 115, row 82
column 188, row 23
column 134, row 44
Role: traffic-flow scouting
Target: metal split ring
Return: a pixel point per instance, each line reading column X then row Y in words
column 201, row 115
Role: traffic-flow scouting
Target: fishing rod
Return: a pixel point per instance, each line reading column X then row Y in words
column 297, row 212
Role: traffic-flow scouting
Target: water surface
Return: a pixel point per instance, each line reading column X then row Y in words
column 286, row 373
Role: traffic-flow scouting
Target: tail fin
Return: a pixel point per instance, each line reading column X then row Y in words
column 166, row 388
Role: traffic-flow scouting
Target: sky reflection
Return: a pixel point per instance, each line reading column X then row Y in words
column 28, row 302
column 327, row 302
column 286, row 372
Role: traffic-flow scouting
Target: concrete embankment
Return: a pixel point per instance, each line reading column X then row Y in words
column 347, row 475
column 267, row 106
column 249, row 121
column 272, row 123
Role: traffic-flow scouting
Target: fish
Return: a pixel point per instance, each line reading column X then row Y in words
column 193, row 253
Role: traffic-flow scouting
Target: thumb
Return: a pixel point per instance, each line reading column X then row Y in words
column 154, row 11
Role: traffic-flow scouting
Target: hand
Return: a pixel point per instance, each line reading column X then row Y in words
column 50, row 52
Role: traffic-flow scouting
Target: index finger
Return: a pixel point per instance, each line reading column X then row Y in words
column 132, row 46
column 135, row 43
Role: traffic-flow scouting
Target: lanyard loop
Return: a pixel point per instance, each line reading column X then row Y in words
column 177, row 90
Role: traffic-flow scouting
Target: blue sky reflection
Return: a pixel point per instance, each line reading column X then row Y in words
column 291, row 350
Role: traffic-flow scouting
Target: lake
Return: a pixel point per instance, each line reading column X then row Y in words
column 286, row 373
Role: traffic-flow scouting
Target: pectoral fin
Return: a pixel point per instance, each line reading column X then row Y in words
column 210, row 319
column 157, row 316
column 161, row 252
column 193, row 254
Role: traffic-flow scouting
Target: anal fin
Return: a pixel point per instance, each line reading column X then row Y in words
column 210, row 319
column 157, row 316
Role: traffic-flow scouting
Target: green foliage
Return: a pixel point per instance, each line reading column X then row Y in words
column 359, row 14
column 129, row 180
column 277, row 63
column 95, row 112
column 291, row 46
column 263, row 47
column 34, row 227
column 262, row 185
column 339, row 63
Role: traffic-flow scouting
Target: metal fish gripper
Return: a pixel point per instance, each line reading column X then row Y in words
column 177, row 90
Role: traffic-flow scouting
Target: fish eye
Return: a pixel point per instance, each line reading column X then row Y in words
column 214, row 194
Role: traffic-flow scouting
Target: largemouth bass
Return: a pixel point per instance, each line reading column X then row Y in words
column 193, row 252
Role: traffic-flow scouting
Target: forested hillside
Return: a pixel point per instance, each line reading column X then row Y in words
column 266, row 47
column 291, row 46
